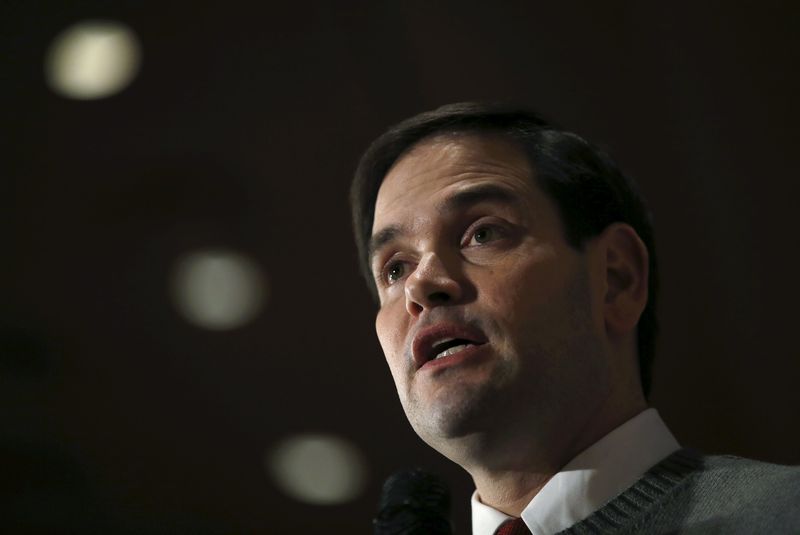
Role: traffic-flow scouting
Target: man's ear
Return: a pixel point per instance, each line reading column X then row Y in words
column 626, row 272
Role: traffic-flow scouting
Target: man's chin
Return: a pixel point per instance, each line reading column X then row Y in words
column 456, row 409
column 452, row 419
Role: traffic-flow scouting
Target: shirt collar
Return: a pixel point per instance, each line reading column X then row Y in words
column 596, row 475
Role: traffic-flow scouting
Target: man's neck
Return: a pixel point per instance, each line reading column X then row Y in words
column 509, row 487
column 510, row 493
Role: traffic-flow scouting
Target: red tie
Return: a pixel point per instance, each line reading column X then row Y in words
column 513, row 526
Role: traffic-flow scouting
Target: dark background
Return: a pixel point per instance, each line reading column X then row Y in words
column 242, row 130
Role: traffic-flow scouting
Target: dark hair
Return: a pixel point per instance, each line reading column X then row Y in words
column 587, row 186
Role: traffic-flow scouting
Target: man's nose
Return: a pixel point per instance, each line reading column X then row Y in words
column 431, row 285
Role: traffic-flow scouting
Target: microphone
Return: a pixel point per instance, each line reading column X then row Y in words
column 413, row 502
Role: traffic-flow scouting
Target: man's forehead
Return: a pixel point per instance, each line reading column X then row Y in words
column 444, row 164
column 446, row 175
column 462, row 152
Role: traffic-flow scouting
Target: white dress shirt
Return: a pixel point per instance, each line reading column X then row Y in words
column 595, row 476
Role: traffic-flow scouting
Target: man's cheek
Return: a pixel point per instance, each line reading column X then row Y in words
column 388, row 343
column 390, row 335
column 383, row 332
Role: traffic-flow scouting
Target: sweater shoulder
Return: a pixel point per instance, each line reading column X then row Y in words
column 742, row 464
column 735, row 478
column 693, row 493
column 736, row 495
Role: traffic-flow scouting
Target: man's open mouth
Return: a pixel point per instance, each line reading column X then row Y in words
column 443, row 340
column 450, row 347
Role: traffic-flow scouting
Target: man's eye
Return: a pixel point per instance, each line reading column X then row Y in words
column 483, row 235
column 395, row 271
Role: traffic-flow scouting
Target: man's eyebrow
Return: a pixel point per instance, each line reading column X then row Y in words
column 459, row 200
column 381, row 238
column 477, row 194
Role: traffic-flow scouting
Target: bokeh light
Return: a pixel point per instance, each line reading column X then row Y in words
column 92, row 59
column 218, row 289
column 317, row 469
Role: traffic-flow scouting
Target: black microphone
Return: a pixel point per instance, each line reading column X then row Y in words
column 413, row 502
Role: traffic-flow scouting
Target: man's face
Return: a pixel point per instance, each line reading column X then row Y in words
column 487, row 317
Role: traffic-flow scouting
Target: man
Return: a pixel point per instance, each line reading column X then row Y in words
column 515, row 270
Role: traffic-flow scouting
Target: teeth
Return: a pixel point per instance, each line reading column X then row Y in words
column 451, row 350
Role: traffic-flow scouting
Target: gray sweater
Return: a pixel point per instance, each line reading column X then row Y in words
column 691, row 493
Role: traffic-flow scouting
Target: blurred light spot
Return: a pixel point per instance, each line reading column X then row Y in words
column 92, row 59
column 317, row 469
column 218, row 289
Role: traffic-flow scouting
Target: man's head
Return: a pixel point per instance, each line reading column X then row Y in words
column 484, row 230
